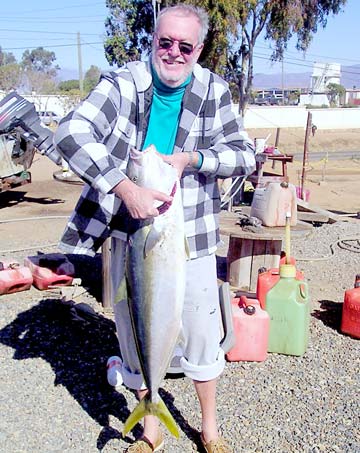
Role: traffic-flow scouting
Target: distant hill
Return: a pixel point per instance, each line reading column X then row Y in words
column 350, row 77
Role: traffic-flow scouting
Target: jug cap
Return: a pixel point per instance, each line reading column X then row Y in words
column 288, row 271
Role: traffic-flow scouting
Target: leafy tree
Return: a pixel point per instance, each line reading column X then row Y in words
column 10, row 76
column 235, row 25
column 129, row 29
column 279, row 20
column 39, row 70
column 91, row 78
column 6, row 58
column 335, row 93
column 69, row 85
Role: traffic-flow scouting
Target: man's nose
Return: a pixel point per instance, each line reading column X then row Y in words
column 174, row 49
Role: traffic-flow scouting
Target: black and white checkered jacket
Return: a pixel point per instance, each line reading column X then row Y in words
column 96, row 137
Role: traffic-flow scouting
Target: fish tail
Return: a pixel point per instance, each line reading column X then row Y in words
column 147, row 407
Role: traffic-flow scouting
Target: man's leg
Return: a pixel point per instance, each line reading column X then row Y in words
column 206, row 392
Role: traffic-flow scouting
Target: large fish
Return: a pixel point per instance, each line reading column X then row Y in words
column 155, row 272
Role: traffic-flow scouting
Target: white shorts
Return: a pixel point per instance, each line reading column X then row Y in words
column 202, row 358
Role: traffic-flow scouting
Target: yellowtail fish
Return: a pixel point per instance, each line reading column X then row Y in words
column 155, row 272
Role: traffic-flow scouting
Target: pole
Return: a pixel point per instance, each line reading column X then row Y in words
column 81, row 81
column 305, row 155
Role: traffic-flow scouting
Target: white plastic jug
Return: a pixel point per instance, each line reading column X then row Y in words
column 271, row 203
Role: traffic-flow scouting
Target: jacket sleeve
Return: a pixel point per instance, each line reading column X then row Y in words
column 84, row 137
column 231, row 152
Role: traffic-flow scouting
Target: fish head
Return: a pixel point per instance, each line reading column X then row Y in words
column 147, row 169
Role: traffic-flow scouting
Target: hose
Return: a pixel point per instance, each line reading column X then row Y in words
column 25, row 219
column 339, row 241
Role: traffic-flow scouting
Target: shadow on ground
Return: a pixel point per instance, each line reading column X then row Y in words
column 329, row 313
column 12, row 198
column 77, row 344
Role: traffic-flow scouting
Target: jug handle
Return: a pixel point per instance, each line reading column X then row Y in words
column 249, row 309
column 303, row 289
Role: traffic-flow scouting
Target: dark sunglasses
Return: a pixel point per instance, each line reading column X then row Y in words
column 184, row 47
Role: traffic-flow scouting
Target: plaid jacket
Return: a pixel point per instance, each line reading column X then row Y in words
column 96, row 137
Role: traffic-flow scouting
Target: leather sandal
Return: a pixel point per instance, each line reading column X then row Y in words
column 143, row 445
column 218, row 445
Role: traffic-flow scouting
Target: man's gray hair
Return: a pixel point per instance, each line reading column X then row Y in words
column 188, row 10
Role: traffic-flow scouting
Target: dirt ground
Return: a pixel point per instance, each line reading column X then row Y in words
column 45, row 204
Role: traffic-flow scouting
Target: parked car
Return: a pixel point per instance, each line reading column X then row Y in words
column 268, row 100
column 49, row 118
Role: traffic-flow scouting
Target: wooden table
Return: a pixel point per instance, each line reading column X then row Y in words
column 261, row 177
column 248, row 251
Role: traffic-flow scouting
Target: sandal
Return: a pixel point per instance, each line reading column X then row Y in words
column 218, row 445
column 143, row 445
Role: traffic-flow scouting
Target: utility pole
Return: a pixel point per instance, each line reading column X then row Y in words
column 81, row 81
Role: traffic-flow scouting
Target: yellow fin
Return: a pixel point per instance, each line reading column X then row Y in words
column 146, row 407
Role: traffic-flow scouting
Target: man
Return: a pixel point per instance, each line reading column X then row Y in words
column 185, row 111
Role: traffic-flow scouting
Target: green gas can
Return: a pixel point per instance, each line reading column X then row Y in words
column 287, row 304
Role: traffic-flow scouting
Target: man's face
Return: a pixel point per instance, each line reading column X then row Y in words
column 175, row 37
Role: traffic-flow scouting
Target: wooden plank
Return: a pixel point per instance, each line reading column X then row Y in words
column 239, row 260
column 305, row 206
column 258, row 261
column 272, row 254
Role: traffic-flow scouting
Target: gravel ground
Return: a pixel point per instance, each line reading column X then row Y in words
column 55, row 397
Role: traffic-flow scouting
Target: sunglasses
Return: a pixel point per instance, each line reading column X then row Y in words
column 184, row 47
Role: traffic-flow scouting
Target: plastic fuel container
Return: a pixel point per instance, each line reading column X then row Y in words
column 14, row 277
column 287, row 304
column 271, row 204
column 251, row 326
column 48, row 270
column 350, row 320
column 267, row 278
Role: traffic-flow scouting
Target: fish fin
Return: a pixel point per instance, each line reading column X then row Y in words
column 154, row 237
column 122, row 291
column 147, row 407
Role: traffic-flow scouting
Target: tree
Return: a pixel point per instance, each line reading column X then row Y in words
column 39, row 70
column 39, row 60
column 10, row 76
column 335, row 93
column 280, row 20
column 6, row 58
column 69, row 85
column 91, row 78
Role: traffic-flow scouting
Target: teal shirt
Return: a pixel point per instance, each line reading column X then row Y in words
column 164, row 115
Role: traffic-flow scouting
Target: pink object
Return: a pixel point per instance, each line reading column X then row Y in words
column 49, row 270
column 14, row 278
column 350, row 320
column 251, row 328
column 272, row 203
column 267, row 279
column 306, row 193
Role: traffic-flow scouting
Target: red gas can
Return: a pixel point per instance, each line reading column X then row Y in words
column 268, row 278
column 251, row 327
column 52, row 269
column 14, row 277
column 350, row 320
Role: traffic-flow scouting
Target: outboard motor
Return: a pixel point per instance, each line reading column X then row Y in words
column 18, row 114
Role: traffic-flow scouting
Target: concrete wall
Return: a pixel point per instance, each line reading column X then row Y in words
column 257, row 117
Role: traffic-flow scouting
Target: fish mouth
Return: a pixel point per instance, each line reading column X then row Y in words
column 135, row 154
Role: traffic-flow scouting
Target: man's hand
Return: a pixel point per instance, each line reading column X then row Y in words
column 177, row 160
column 138, row 200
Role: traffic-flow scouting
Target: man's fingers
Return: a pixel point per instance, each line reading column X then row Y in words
column 161, row 196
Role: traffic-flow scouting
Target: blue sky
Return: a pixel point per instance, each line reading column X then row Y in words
column 30, row 24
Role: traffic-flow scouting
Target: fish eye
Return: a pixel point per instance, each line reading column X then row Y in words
column 134, row 178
